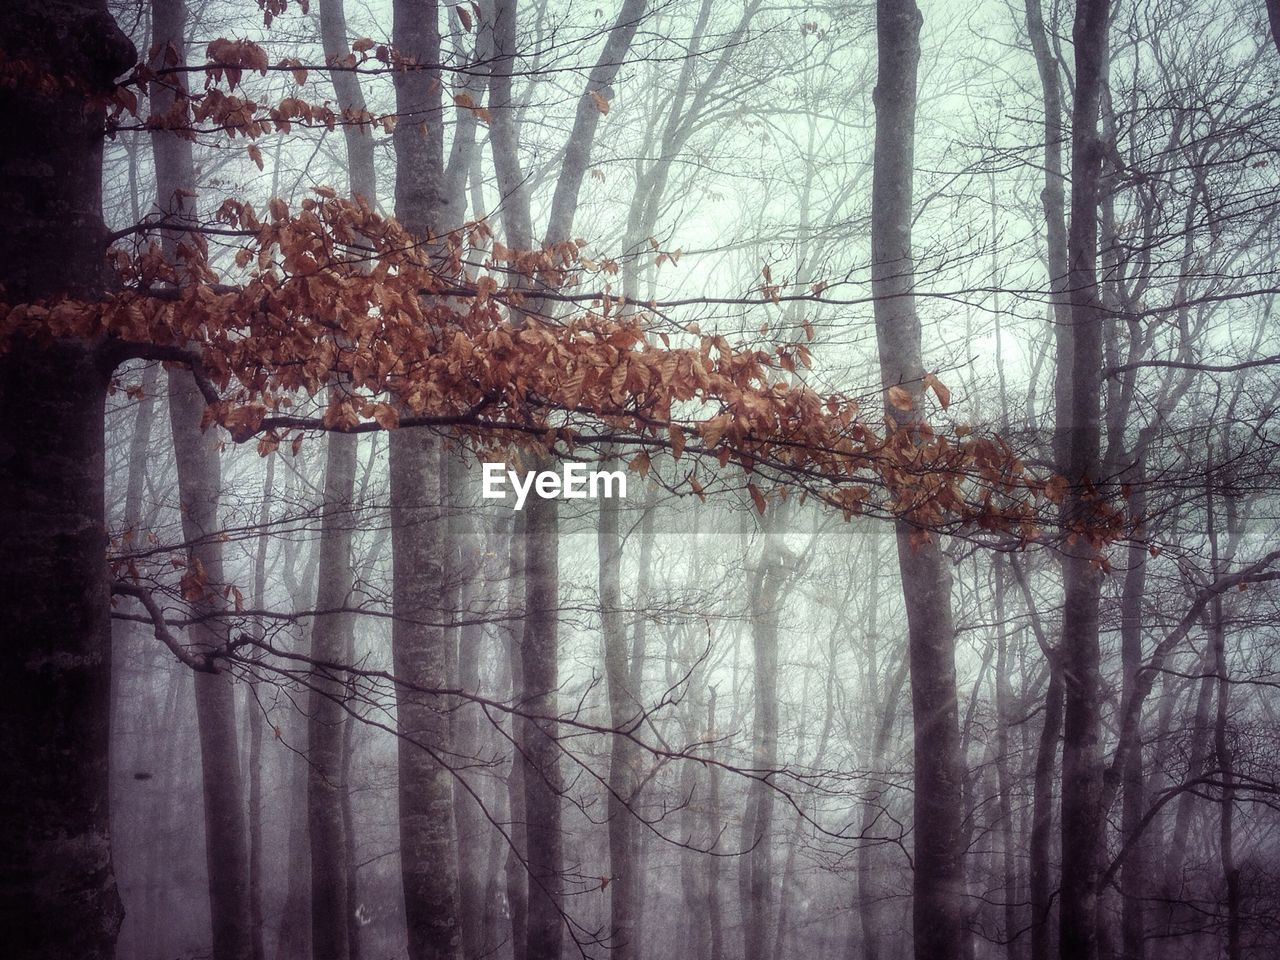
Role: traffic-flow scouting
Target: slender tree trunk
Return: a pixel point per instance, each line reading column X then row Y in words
column 226, row 826
column 256, row 723
column 539, row 748
column 1223, row 748
column 1041, row 852
column 1201, row 731
column 938, row 881
column 427, row 833
column 1136, row 872
column 335, row 932
column 1082, row 764
column 139, row 444
column 295, row 914
column 349, row 839
column 196, row 452
column 624, row 711
column 1004, row 777
column 867, row 905
column 358, row 138
column 516, row 878
column 765, row 592
column 1054, row 201
column 715, row 917
column 466, row 641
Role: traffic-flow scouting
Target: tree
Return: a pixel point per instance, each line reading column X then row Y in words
column 926, row 582
column 1079, row 424
column 427, row 830
column 57, row 890
column 199, row 493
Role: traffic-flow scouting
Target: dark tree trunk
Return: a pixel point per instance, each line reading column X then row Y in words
column 327, row 715
column 539, row 747
column 1135, row 875
column 938, row 882
column 1221, row 731
column 57, row 889
column 1079, row 426
column 1040, row 855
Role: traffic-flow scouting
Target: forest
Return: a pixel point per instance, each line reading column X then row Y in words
column 719, row 479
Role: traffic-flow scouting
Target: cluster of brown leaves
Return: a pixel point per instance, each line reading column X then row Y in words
column 215, row 109
column 333, row 293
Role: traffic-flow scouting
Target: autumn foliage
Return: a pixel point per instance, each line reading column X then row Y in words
column 506, row 349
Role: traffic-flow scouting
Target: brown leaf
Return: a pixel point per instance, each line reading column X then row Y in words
column 677, row 441
column 899, row 397
column 939, row 389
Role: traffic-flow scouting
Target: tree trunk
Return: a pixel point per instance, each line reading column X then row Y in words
column 938, row 881
column 1004, row 776
column 349, row 840
column 57, row 889
column 1053, row 200
column 427, row 835
column 1221, row 741
column 361, row 174
column 428, row 838
column 715, row 920
column 196, row 452
column 256, row 723
column 539, row 747
column 765, row 592
column 334, row 929
column 1082, row 764
column 624, row 711
column 1136, row 872
column 327, row 716
column 465, row 603
column 516, row 878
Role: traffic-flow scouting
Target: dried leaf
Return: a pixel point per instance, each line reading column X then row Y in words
column 899, row 397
